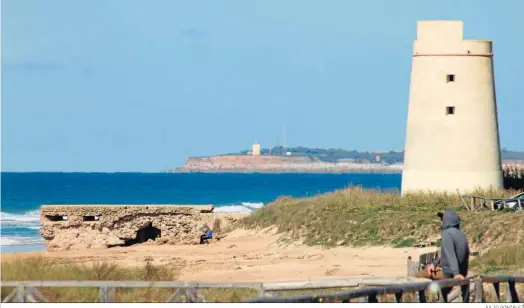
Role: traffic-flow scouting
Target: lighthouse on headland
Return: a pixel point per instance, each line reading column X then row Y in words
column 452, row 137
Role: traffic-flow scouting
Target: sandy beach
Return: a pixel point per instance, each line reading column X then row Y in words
column 250, row 256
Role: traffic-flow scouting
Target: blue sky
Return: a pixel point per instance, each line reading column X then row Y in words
column 126, row 85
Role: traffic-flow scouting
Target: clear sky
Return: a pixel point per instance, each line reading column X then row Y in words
column 128, row 85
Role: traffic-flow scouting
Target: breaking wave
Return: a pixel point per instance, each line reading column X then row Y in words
column 20, row 240
column 28, row 217
column 242, row 208
column 20, row 229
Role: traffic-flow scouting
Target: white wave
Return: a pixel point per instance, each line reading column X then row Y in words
column 19, row 240
column 254, row 205
column 233, row 209
column 29, row 220
column 4, row 241
column 32, row 216
column 242, row 208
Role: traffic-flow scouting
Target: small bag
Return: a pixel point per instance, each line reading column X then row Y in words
column 436, row 274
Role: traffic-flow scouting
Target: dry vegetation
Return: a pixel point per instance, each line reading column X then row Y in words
column 358, row 217
column 46, row 269
column 506, row 259
column 36, row 269
column 514, row 172
column 513, row 177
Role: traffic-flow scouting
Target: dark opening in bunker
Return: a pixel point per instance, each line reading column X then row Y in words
column 145, row 234
column 450, row 78
column 450, row 110
column 91, row 218
column 56, row 217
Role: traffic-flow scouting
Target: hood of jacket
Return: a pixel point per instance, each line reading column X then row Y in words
column 450, row 219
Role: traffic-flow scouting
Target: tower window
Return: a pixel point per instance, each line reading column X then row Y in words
column 450, row 110
column 450, row 78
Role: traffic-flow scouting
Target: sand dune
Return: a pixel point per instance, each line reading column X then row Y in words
column 250, row 256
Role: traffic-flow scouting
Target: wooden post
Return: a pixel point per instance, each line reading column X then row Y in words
column 363, row 299
column 111, row 295
column 31, row 297
column 39, row 295
column 20, row 294
column 410, row 267
column 422, row 296
column 103, row 296
column 454, row 295
column 372, row 298
column 398, row 297
column 479, row 291
column 441, row 297
column 496, row 286
column 10, row 297
column 261, row 291
column 191, row 295
column 511, row 293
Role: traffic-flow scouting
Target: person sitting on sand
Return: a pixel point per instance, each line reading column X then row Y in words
column 204, row 238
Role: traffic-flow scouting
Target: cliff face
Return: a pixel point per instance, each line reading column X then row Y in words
column 279, row 164
column 102, row 226
column 290, row 164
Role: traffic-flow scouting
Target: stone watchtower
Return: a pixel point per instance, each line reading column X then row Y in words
column 255, row 149
column 452, row 138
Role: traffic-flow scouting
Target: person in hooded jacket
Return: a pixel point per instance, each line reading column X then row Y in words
column 454, row 255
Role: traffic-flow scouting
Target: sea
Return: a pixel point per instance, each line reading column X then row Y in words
column 24, row 193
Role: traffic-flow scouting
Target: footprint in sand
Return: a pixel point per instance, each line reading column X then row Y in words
column 315, row 257
column 332, row 271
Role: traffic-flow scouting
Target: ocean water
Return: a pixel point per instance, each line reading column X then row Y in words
column 24, row 193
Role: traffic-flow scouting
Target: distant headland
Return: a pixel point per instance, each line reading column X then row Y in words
column 310, row 160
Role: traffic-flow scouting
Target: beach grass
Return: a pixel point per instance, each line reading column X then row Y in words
column 358, row 217
column 508, row 260
column 40, row 268
column 47, row 269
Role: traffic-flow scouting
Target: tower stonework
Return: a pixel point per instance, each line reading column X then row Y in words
column 452, row 138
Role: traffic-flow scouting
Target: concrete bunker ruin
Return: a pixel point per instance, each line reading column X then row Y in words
column 105, row 226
